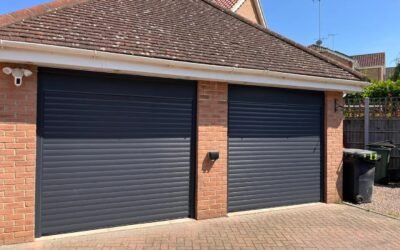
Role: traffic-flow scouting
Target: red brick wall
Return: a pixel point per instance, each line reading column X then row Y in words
column 212, row 135
column 333, row 148
column 17, row 157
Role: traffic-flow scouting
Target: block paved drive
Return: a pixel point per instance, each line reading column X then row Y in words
column 318, row 226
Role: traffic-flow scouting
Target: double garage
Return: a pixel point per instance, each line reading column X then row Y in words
column 118, row 150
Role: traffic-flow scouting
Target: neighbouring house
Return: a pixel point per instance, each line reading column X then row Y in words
column 250, row 9
column 389, row 73
column 372, row 66
column 342, row 58
column 121, row 112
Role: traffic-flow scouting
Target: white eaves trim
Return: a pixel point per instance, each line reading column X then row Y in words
column 237, row 5
column 81, row 59
column 261, row 13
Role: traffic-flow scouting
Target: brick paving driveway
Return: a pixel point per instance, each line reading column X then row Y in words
column 318, row 226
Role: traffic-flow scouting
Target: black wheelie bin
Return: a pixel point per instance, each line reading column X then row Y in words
column 359, row 174
column 384, row 149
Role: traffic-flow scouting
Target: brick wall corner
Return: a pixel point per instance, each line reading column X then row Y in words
column 17, row 157
column 333, row 148
column 212, row 135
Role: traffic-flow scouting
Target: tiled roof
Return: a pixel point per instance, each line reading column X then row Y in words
column 226, row 3
column 36, row 10
column 370, row 60
column 322, row 48
column 196, row 31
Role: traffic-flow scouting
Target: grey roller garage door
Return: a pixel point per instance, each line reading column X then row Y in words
column 275, row 147
column 113, row 150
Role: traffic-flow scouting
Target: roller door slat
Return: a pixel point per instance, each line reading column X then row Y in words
column 275, row 147
column 113, row 150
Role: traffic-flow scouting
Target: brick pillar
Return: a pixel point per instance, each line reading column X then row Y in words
column 212, row 135
column 333, row 148
column 17, row 157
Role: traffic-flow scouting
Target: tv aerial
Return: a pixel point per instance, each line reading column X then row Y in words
column 333, row 36
column 320, row 40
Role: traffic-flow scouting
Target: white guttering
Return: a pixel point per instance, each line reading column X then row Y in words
column 82, row 59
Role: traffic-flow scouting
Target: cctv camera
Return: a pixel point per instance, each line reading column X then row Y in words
column 27, row 72
column 7, row 70
column 18, row 74
column 18, row 81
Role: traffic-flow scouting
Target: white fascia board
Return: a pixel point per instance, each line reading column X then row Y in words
column 237, row 5
column 261, row 13
column 80, row 59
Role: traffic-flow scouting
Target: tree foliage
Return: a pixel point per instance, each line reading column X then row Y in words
column 380, row 89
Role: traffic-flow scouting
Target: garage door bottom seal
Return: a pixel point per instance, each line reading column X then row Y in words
column 264, row 210
column 115, row 229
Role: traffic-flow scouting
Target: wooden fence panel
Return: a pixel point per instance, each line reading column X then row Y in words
column 353, row 132
column 379, row 130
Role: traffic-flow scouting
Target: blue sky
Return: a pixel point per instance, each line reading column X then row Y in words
column 361, row 26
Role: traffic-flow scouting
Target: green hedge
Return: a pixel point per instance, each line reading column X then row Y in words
column 379, row 89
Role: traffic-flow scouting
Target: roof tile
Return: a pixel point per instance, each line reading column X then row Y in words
column 36, row 10
column 195, row 31
column 370, row 60
column 226, row 3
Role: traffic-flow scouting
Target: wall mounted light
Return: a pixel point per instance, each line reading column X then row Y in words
column 18, row 74
column 213, row 156
column 338, row 106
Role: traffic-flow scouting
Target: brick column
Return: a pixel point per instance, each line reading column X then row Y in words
column 333, row 148
column 17, row 157
column 212, row 135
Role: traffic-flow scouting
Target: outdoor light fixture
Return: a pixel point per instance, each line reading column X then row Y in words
column 213, row 156
column 18, row 74
column 338, row 107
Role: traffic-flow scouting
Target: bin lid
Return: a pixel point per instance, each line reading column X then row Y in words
column 362, row 154
column 385, row 144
